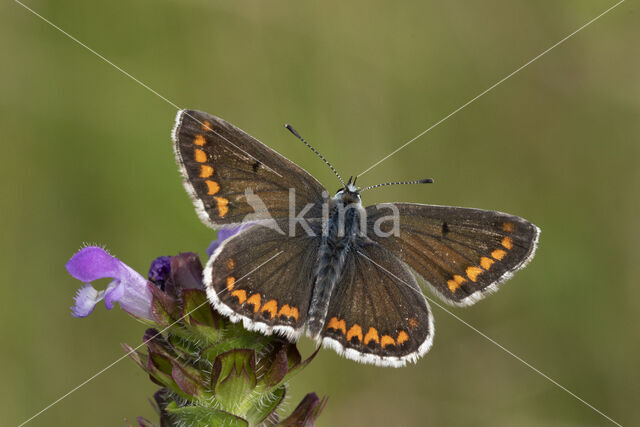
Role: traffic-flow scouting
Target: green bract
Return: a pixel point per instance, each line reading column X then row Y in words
column 212, row 371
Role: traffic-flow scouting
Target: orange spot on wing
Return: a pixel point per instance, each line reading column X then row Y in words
column 455, row 282
column 199, row 140
column 255, row 301
column 452, row 285
column 289, row 312
column 270, row 306
column 508, row 227
column 486, row 262
column 507, row 242
column 402, row 337
column 386, row 340
column 355, row 331
column 459, row 279
column 206, row 125
column 200, row 155
column 338, row 325
column 285, row 310
column 240, row 294
column 205, row 171
column 413, row 323
column 498, row 254
column 222, row 205
column 231, row 281
column 212, row 187
column 231, row 264
column 473, row 272
column 371, row 335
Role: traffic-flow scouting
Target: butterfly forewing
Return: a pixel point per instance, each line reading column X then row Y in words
column 229, row 174
column 462, row 253
column 265, row 278
column 377, row 312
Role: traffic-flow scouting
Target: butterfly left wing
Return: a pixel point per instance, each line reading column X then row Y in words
column 220, row 163
column 264, row 278
column 463, row 254
column 377, row 313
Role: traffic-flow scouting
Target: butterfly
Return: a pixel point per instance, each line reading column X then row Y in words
column 349, row 276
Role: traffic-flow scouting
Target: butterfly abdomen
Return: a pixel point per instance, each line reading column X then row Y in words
column 336, row 244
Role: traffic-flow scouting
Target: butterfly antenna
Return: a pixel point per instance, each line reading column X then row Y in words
column 293, row 131
column 420, row 181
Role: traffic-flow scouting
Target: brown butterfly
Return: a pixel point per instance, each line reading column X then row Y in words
column 348, row 275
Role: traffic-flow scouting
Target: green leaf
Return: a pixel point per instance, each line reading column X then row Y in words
column 189, row 380
column 196, row 308
column 260, row 411
column 184, row 342
column 160, row 362
column 161, row 377
column 159, row 314
column 164, row 309
column 156, row 343
column 234, row 377
column 205, row 417
column 199, row 316
column 237, row 338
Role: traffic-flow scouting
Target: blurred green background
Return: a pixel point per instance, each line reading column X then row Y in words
column 86, row 157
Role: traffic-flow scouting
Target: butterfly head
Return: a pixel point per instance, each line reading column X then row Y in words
column 349, row 194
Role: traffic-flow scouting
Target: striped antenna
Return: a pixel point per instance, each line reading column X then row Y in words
column 293, row 131
column 420, row 181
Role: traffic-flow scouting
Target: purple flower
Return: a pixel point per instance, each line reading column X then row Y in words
column 224, row 234
column 160, row 271
column 128, row 288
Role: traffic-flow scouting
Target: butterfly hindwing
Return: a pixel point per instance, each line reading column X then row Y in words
column 462, row 253
column 264, row 278
column 377, row 313
column 229, row 174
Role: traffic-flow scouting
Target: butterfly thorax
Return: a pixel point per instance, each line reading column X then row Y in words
column 339, row 235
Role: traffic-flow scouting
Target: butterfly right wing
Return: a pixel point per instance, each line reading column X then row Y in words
column 264, row 278
column 377, row 313
column 220, row 163
column 462, row 253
